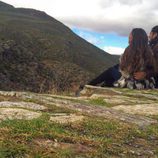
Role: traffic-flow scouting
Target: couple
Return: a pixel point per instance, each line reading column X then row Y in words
column 138, row 68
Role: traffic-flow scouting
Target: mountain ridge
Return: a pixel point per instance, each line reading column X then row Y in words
column 50, row 43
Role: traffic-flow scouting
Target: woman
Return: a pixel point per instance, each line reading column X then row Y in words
column 136, row 58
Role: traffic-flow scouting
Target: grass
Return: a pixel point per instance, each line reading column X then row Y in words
column 104, row 137
column 12, row 149
column 98, row 137
column 99, row 101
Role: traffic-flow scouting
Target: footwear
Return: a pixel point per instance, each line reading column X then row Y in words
column 77, row 93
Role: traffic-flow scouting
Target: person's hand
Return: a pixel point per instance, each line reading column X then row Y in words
column 139, row 75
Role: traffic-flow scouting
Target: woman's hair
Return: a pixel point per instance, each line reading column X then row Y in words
column 138, row 54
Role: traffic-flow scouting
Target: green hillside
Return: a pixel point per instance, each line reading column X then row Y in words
column 39, row 53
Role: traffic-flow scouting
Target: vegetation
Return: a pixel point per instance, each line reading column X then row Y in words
column 92, row 137
column 99, row 101
column 38, row 53
column 100, row 138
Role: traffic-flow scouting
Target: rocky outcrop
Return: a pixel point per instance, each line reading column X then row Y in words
column 130, row 107
column 20, row 114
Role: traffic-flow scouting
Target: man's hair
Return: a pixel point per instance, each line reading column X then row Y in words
column 155, row 29
column 154, row 41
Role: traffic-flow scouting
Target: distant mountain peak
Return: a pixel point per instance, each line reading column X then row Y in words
column 28, row 11
column 5, row 5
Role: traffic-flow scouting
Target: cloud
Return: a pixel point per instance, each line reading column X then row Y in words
column 106, row 16
column 116, row 16
column 114, row 50
column 89, row 37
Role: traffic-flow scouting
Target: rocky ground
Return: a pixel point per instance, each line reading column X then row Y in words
column 100, row 123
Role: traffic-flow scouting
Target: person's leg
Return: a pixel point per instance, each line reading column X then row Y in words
column 109, row 76
column 115, row 72
column 156, row 82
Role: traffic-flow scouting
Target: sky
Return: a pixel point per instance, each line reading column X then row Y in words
column 104, row 23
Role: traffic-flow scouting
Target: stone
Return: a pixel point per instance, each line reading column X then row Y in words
column 14, row 113
column 22, row 104
column 104, row 112
column 89, row 90
column 61, row 118
column 141, row 109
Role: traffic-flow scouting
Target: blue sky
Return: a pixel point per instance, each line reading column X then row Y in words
column 105, row 41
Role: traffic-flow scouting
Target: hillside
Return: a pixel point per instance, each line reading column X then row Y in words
column 39, row 53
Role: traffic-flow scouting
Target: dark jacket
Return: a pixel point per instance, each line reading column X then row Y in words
column 155, row 52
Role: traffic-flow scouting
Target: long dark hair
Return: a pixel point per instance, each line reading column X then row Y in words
column 140, row 39
column 138, row 54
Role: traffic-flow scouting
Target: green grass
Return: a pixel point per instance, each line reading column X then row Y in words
column 10, row 148
column 67, row 153
column 103, row 137
column 99, row 101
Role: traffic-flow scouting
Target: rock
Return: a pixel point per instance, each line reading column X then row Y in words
column 13, row 113
column 61, row 118
column 27, row 105
column 89, row 90
column 141, row 109
column 120, row 99
column 105, row 112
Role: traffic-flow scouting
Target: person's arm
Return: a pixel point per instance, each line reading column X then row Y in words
column 140, row 75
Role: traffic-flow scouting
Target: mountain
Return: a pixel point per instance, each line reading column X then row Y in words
column 39, row 53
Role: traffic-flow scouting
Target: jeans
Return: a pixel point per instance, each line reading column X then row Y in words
column 108, row 77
